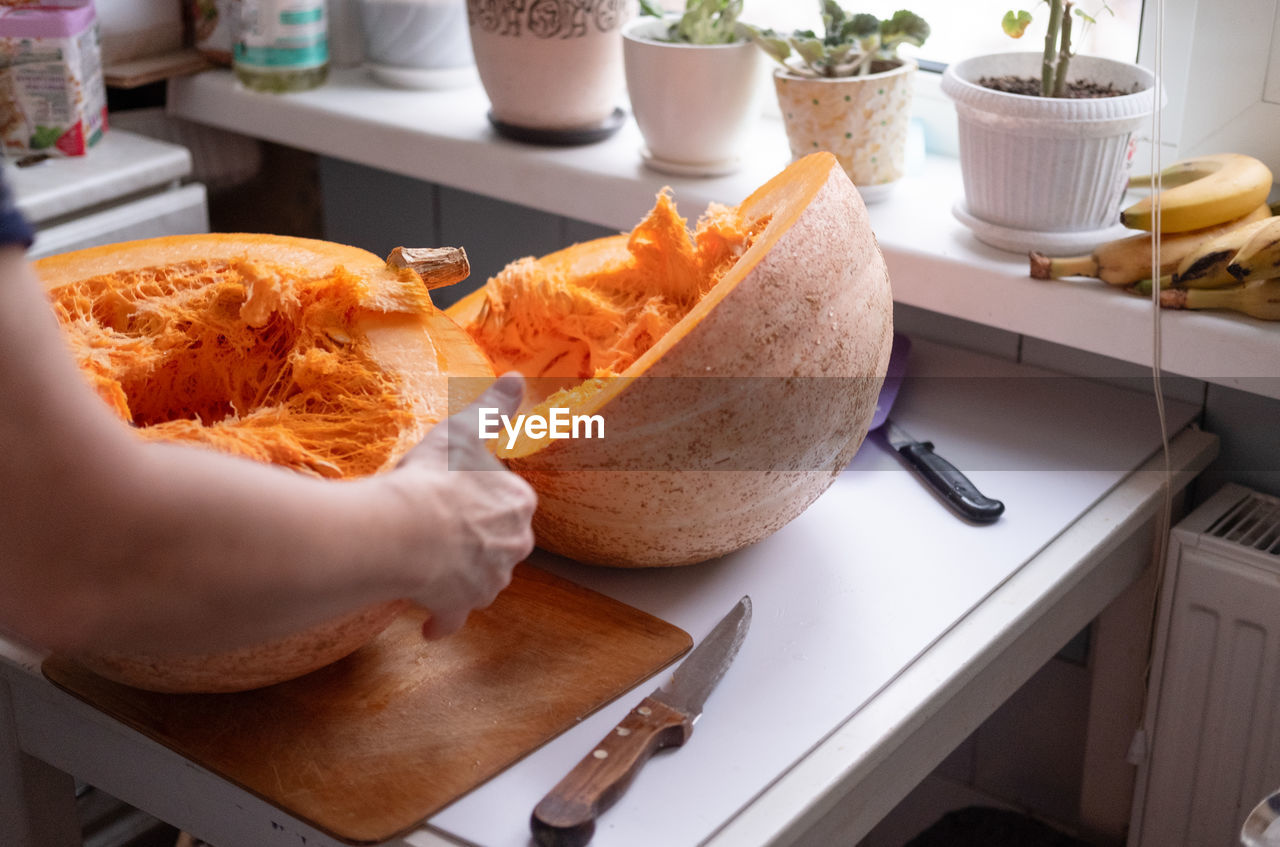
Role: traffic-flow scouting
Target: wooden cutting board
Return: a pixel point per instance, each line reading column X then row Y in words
column 369, row 747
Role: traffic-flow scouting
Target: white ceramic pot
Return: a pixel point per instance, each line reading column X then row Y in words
column 552, row 68
column 863, row 120
column 1046, row 164
column 416, row 43
column 694, row 103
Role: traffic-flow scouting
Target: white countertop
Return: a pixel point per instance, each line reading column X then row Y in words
column 871, row 609
column 935, row 263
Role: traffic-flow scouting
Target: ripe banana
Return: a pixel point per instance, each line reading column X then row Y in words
column 1259, row 257
column 1208, row 265
column 1206, row 190
column 1127, row 260
column 1260, row 299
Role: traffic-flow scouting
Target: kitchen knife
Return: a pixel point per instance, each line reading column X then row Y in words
column 945, row 478
column 566, row 817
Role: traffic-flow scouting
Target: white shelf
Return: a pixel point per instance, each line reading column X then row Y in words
column 935, row 263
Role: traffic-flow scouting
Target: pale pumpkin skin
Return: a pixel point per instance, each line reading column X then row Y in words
column 249, row 667
column 810, row 299
column 405, row 332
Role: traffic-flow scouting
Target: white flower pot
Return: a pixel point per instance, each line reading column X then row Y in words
column 863, row 120
column 416, row 43
column 552, row 70
column 694, row 103
column 1044, row 165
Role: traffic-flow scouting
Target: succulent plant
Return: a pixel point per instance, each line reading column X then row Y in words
column 850, row 43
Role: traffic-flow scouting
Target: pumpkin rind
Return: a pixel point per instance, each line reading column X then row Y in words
column 406, row 337
column 804, row 318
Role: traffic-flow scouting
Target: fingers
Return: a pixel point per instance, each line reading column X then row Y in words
column 441, row 624
column 503, row 397
column 454, row 443
column 481, row 522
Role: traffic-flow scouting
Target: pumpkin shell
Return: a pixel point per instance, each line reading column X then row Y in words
column 406, row 336
column 799, row 333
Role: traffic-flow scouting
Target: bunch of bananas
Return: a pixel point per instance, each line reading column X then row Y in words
column 1219, row 241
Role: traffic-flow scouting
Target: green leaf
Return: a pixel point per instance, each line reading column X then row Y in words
column 708, row 22
column 1086, row 16
column 647, row 8
column 774, row 46
column 904, row 28
column 810, row 50
column 863, row 25
column 1015, row 24
column 832, row 15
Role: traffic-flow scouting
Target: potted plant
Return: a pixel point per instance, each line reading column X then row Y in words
column 848, row 91
column 552, row 69
column 1046, row 138
column 692, row 80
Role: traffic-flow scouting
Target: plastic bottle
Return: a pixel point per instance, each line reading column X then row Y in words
column 282, row 45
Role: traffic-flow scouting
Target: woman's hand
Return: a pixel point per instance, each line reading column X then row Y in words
column 476, row 514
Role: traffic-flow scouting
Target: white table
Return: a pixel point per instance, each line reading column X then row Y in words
column 885, row 631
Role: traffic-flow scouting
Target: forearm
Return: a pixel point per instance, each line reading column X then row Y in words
column 115, row 543
column 107, row 538
column 183, row 549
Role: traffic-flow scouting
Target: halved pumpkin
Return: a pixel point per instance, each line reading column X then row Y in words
column 735, row 370
column 306, row 354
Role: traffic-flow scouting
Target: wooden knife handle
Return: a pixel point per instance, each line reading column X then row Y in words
column 566, row 817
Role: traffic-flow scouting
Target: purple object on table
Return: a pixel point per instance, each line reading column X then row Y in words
column 943, row 478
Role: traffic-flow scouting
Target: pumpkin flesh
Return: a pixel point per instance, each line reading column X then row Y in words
column 313, row 356
column 784, row 301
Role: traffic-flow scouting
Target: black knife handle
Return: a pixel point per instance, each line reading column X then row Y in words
column 566, row 817
column 956, row 489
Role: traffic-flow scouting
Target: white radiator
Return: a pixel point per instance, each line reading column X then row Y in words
column 1214, row 703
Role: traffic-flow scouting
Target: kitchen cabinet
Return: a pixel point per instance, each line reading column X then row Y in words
column 885, row 630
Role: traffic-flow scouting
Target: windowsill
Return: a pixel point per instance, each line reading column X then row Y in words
column 935, row 263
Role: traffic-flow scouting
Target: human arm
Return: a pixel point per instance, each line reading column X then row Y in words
column 113, row 543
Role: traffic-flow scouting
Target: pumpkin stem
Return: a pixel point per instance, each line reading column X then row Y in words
column 437, row 266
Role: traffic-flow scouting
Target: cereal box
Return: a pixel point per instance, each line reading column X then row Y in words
column 52, row 96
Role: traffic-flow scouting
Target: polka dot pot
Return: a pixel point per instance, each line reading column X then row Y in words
column 862, row 120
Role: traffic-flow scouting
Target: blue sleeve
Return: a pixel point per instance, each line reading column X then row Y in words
column 14, row 228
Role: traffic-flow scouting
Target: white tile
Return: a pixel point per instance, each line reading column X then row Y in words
column 374, row 209
column 1249, row 451
column 935, row 326
column 1058, row 357
column 494, row 233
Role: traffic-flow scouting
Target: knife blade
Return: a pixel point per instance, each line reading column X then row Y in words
column 946, row 479
column 566, row 816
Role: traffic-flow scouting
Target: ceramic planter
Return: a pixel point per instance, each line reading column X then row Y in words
column 1040, row 166
column 863, row 120
column 694, row 103
column 416, row 43
column 552, row 70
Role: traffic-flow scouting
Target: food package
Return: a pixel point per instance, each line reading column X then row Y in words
column 52, row 96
